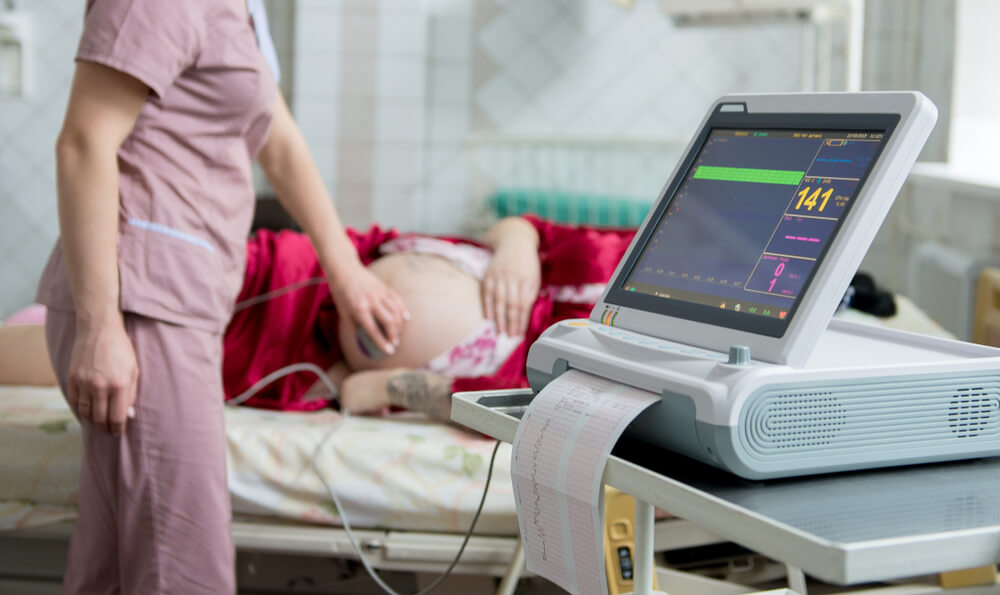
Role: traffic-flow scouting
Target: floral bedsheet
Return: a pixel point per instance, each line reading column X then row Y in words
column 400, row 471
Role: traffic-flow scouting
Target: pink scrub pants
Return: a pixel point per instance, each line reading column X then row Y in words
column 154, row 509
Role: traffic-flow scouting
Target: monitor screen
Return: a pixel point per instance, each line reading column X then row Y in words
column 748, row 225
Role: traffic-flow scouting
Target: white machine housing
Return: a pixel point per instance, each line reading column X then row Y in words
column 817, row 395
column 867, row 397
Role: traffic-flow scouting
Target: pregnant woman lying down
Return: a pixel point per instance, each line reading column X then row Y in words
column 475, row 309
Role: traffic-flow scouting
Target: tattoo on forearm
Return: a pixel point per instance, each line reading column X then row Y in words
column 421, row 391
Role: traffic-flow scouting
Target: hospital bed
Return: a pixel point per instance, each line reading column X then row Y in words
column 409, row 486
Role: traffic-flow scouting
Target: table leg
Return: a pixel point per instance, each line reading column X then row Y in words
column 644, row 565
column 513, row 574
column 796, row 579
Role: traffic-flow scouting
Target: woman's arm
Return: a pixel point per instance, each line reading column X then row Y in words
column 286, row 161
column 425, row 392
column 513, row 277
column 370, row 391
column 103, row 107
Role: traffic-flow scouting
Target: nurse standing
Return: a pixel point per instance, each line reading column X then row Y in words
column 169, row 103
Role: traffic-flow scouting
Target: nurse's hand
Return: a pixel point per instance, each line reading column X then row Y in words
column 372, row 304
column 103, row 374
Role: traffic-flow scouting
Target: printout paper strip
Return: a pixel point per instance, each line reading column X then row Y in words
column 560, row 450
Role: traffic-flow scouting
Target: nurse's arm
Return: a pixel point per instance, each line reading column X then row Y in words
column 104, row 105
column 290, row 169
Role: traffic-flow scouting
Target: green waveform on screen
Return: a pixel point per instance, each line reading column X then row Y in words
column 749, row 174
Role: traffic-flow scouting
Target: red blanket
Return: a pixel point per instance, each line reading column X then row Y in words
column 301, row 326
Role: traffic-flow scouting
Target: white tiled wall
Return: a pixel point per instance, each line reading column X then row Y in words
column 911, row 44
column 595, row 68
column 28, row 130
column 977, row 123
column 388, row 92
column 449, row 82
column 316, row 76
column 381, row 93
column 400, row 105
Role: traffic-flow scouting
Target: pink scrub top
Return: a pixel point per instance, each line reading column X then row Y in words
column 186, row 191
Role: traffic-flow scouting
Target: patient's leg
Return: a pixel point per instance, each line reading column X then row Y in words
column 370, row 391
column 23, row 356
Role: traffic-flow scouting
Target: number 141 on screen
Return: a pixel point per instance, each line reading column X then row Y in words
column 809, row 198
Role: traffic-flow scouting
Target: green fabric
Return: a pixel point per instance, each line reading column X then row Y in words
column 571, row 208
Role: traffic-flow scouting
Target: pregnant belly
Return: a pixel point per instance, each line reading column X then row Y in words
column 444, row 305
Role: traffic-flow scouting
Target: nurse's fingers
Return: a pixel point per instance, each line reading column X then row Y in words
column 72, row 395
column 133, row 395
column 118, row 410
column 84, row 400
column 400, row 307
column 392, row 314
column 370, row 325
column 390, row 323
column 99, row 406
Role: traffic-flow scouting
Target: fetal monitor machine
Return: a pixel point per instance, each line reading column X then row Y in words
column 723, row 304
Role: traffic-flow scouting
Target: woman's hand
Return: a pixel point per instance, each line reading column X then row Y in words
column 103, row 375
column 511, row 286
column 372, row 304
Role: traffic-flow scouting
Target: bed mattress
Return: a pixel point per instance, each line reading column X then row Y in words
column 396, row 472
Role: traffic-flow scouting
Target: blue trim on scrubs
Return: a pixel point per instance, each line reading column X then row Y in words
column 171, row 232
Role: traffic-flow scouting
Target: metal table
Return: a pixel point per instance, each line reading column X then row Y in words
column 845, row 528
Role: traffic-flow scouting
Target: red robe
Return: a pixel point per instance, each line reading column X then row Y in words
column 301, row 326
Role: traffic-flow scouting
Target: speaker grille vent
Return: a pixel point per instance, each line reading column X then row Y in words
column 923, row 416
column 970, row 411
column 804, row 419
